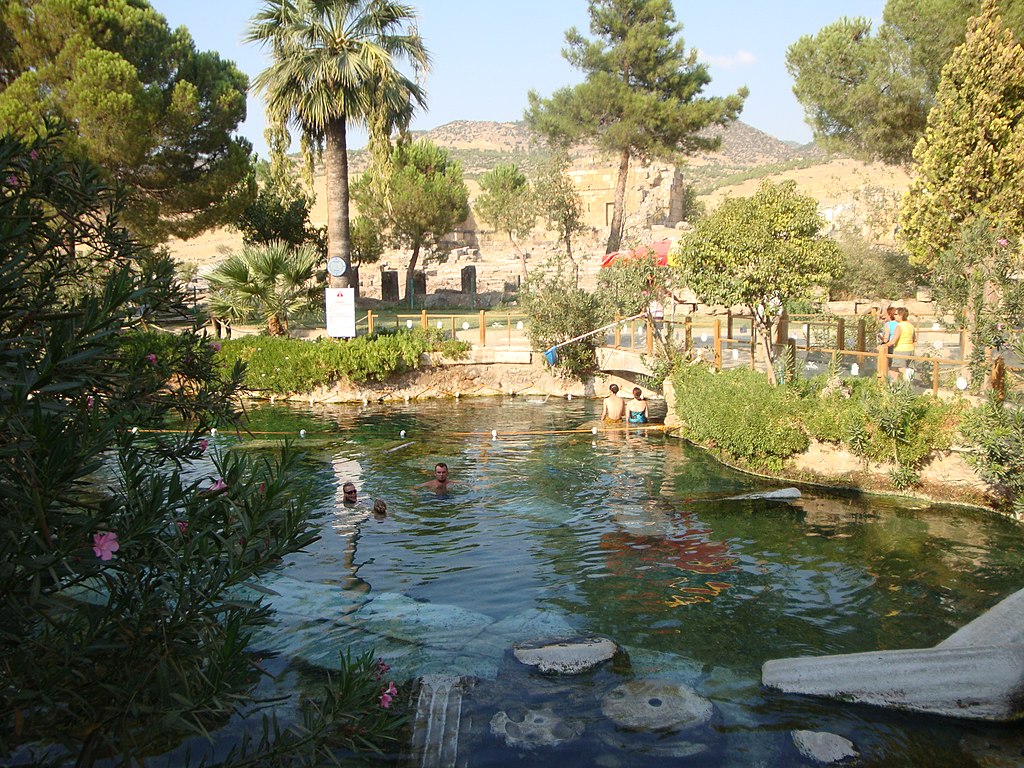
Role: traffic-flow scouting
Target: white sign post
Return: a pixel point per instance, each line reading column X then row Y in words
column 341, row 312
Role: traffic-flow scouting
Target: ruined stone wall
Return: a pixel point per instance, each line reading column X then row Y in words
column 655, row 193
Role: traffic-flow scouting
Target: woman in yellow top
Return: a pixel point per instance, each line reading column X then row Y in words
column 903, row 339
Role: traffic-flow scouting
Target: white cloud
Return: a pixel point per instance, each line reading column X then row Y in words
column 731, row 61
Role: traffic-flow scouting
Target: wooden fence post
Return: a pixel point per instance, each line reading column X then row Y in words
column 650, row 337
column 369, row 322
column 862, row 335
column 883, row 362
column 423, row 319
column 483, row 329
column 618, row 332
column 841, row 334
column 790, row 359
column 688, row 333
column 718, row 344
column 728, row 323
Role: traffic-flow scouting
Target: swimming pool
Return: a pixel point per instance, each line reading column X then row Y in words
column 551, row 530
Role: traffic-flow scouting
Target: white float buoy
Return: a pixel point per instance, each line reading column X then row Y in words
column 593, row 444
column 593, row 430
column 213, row 431
column 458, row 395
column 402, row 433
column 568, row 396
column 703, row 337
column 465, row 326
column 302, row 433
column 494, row 433
column 135, row 430
column 272, row 399
column 365, row 401
column 407, row 398
column 854, row 369
column 961, row 383
column 519, row 325
column 735, row 354
column 408, row 324
column 440, row 325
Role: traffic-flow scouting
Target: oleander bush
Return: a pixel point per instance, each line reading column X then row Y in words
column 125, row 631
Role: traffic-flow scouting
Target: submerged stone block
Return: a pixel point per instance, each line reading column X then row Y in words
column 656, row 705
column 533, row 728
column 565, row 656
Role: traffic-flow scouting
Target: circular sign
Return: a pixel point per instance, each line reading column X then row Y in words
column 336, row 266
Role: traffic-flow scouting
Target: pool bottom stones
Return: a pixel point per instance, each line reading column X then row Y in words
column 553, row 695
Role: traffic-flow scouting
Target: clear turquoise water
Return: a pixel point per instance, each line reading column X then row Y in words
column 628, row 535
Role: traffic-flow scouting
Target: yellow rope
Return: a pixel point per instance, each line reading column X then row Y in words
column 517, row 433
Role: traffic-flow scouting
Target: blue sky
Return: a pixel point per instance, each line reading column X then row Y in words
column 488, row 54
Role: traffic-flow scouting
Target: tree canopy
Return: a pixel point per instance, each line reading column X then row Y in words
column 423, row 199
column 761, row 252
column 335, row 62
column 144, row 104
column 970, row 162
column 640, row 98
column 869, row 93
column 506, row 202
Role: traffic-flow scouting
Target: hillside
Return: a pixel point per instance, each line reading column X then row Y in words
column 844, row 187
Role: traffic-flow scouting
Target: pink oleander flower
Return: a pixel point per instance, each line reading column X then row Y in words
column 1003, row 241
column 215, row 346
column 12, row 181
column 380, row 668
column 33, row 155
column 151, row 358
column 105, row 545
column 220, row 485
column 999, row 326
column 203, row 445
column 263, row 489
column 89, row 401
column 182, row 526
column 387, row 695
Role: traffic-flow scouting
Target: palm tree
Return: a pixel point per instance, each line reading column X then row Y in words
column 270, row 281
column 334, row 62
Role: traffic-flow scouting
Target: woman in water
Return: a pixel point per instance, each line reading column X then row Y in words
column 636, row 409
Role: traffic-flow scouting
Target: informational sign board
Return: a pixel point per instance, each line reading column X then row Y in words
column 341, row 312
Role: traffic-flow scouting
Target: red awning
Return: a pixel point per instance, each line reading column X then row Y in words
column 658, row 250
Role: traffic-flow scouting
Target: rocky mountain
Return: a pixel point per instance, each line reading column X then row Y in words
column 480, row 145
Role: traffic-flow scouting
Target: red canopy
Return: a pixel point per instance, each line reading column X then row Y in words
column 658, row 250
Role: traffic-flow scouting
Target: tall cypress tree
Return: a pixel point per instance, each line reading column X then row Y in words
column 970, row 162
column 641, row 96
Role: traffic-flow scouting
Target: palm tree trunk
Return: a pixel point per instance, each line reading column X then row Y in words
column 618, row 213
column 336, row 160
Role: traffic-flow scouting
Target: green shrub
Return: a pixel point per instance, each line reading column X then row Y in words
column 559, row 311
column 741, row 414
column 997, row 431
column 284, row 365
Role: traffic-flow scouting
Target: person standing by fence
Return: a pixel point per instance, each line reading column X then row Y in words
column 903, row 341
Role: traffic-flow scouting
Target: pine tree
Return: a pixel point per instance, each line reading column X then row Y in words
column 641, row 96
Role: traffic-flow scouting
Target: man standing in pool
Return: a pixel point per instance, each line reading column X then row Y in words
column 440, row 481
column 614, row 406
